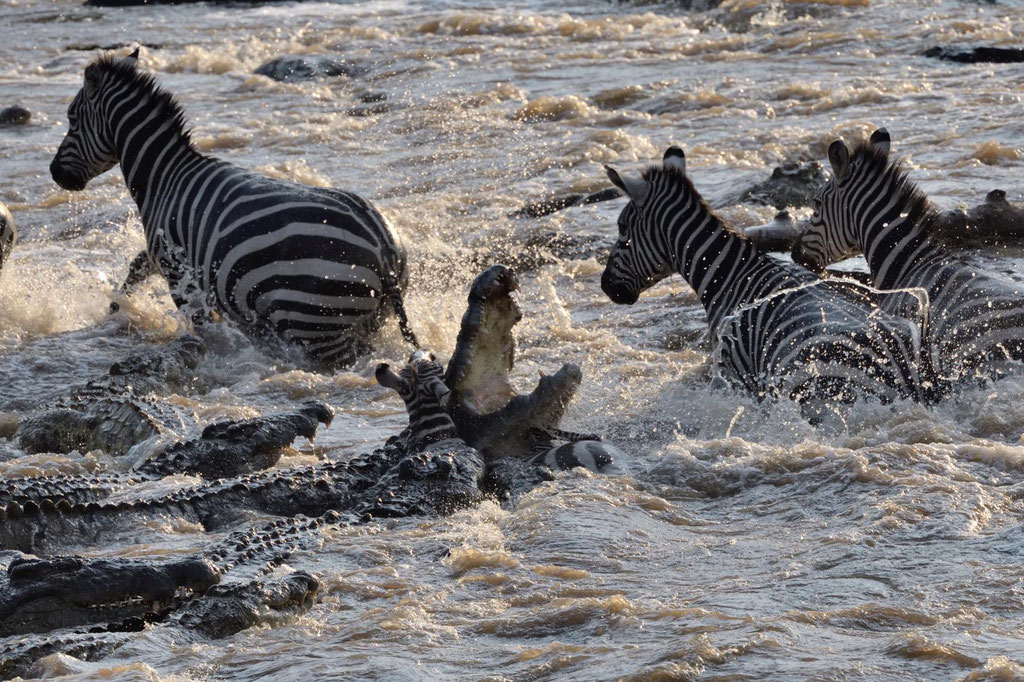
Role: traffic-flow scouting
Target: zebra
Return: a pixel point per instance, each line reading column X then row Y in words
column 315, row 268
column 870, row 206
column 776, row 328
column 421, row 386
column 585, row 450
column 8, row 235
column 428, row 399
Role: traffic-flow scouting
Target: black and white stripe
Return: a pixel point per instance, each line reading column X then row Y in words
column 421, row 386
column 8, row 235
column 777, row 329
column 574, row 450
column 318, row 268
column 870, row 206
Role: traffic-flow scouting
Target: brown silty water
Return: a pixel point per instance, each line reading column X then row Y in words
column 743, row 543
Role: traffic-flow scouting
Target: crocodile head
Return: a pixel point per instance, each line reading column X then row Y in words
column 487, row 412
column 485, row 350
column 171, row 364
column 45, row 594
column 227, row 609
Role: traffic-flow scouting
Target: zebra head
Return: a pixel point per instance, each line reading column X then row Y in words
column 642, row 256
column 421, row 386
column 88, row 148
column 833, row 232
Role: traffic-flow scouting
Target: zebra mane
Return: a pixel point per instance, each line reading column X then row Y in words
column 653, row 172
column 877, row 161
column 125, row 69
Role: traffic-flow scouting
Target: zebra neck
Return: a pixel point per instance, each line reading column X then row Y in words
column 724, row 269
column 152, row 149
column 432, row 426
column 895, row 240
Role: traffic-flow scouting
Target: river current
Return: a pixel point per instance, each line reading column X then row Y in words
column 742, row 543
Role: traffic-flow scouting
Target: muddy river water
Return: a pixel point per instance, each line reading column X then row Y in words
column 742, row 543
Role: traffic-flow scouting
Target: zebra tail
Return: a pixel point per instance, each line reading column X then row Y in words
column 403, row 320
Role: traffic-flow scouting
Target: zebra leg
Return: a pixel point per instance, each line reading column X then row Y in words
column 140, row 269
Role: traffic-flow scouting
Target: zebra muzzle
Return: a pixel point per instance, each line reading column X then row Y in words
column 619, row 291
column 64, row 178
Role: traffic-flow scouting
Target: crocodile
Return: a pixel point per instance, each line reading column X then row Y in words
column 59, row 592
column 110, row 413
column 428, row 469
column 221, row 611
column 410, row 474
column 40, row 595
column 484, row 406
column 230, row 448
column 311, row 490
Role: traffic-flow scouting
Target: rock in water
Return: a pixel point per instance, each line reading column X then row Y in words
column 293, row 68
column 15, row 116
column 976, row 55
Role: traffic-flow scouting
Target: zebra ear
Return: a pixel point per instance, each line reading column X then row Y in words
column 389, row 378
column 134, row 56
column 880, row 141
column 839, row 157
column 635, row 189
column 675, row 158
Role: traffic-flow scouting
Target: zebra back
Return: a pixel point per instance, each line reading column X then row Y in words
column 574, row 450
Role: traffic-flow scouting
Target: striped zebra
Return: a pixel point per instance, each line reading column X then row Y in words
column 427, row 398
column 8, row 235
column 870, row 206
column 316, row 268
column 777, row 329
column 421, row 386
column 575, row 450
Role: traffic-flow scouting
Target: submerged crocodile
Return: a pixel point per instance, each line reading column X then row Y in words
column 40, row 595
column 117, row 597
column 111, row 413
column 486, row 409
column 428, row 470
column 996, row 221
column 411, row 474
column 231, row 448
